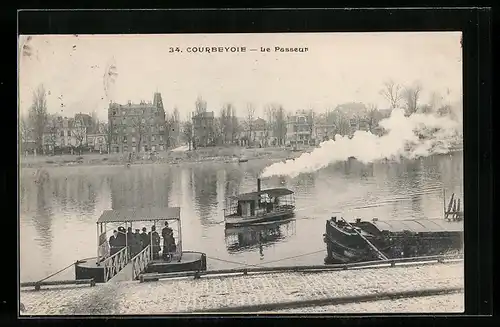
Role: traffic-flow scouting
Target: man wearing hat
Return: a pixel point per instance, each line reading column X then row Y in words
column 121, row 238
column 136, row 242
column 113, row 243
column 144, row 238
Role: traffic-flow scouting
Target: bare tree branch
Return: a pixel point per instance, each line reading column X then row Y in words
column 250, row 118
column 38, row 115
column 141, row 128
column 52, row 130
column 187, row 132
column 392, row 93
column 200, row 106
column 79, row 130
column 411, row 96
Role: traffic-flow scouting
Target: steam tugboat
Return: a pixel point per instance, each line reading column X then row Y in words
column 261, row 206
column 372, row 240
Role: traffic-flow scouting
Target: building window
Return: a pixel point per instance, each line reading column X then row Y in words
column 143, row 120
column 154, row 138
column 161, row 137
column 133, row 149
column 125, row 139
column 133, row 138
column 125, row 148
column 133, row 130
column 69, row 133
column 152, row 129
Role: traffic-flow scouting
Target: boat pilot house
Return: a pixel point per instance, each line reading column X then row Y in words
column 260, row 206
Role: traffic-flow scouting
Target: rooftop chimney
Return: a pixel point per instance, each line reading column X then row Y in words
column 258, row 184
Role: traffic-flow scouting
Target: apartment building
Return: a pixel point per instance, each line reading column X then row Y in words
column 137, row 127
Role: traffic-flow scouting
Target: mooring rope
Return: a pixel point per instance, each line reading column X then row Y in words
column 57, row 272
column 264, row 263
column 296, row 256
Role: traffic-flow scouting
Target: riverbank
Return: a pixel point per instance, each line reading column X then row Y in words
column 213, row 154
column 352, row 290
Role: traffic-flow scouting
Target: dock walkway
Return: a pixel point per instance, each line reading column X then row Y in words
column 259, row 292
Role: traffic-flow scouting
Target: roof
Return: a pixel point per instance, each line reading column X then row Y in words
column 272, row 192
column 419, row 225
column 140, row 214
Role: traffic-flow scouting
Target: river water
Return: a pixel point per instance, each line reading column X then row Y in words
column 58, row 215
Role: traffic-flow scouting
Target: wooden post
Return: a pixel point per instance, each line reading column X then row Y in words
column 151, row 240
column 98, row 242
column 444, row 203
column 180, row 238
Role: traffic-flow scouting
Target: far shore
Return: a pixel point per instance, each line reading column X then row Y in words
column 212, row 154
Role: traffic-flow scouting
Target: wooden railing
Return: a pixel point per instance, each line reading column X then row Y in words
column 141, row 261
column 115, row 263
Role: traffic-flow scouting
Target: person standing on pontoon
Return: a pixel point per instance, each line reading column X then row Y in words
column 136, row 242
column 144, row 238
column 168, row 241
column 155, row 238
column 113, row 243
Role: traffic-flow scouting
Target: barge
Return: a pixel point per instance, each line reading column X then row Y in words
column 390, row 239
column 259, row 207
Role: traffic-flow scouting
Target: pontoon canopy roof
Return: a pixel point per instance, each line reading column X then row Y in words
column 272, row 192
column 140, row 214
column 419, row 225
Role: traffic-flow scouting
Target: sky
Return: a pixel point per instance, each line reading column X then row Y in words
column 337, row 68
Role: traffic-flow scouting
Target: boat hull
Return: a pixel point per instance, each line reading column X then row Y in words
column 350, row 247
column 190, row 261
column 234, row 221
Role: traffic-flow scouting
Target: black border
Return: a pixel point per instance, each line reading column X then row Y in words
column 475, row 24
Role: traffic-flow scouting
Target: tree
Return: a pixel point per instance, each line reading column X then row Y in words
column 250, row 118
column 187, row 133
column 172, row 128
column 392, row 93
column 218, row 131
column 436, row 100
column 51, row 132
column 38, row 115
column 373, row 117
column 342, row 125
column 24, row 129
column 94, row 122
column 411, row 96
column 200, row 106
column 79, row 131
column 279, row 122
column 140, row 126
column 235, row 125
column 425, row 109
column 228, row 123
column 107, row 130
column 444, row 110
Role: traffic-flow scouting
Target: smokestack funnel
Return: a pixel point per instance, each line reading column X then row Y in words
column 258, row 184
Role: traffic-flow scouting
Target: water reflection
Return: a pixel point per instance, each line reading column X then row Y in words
column 43, row 218
column 58, row 216
column 138, row 188
column 258, row 237
column 204, row 184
